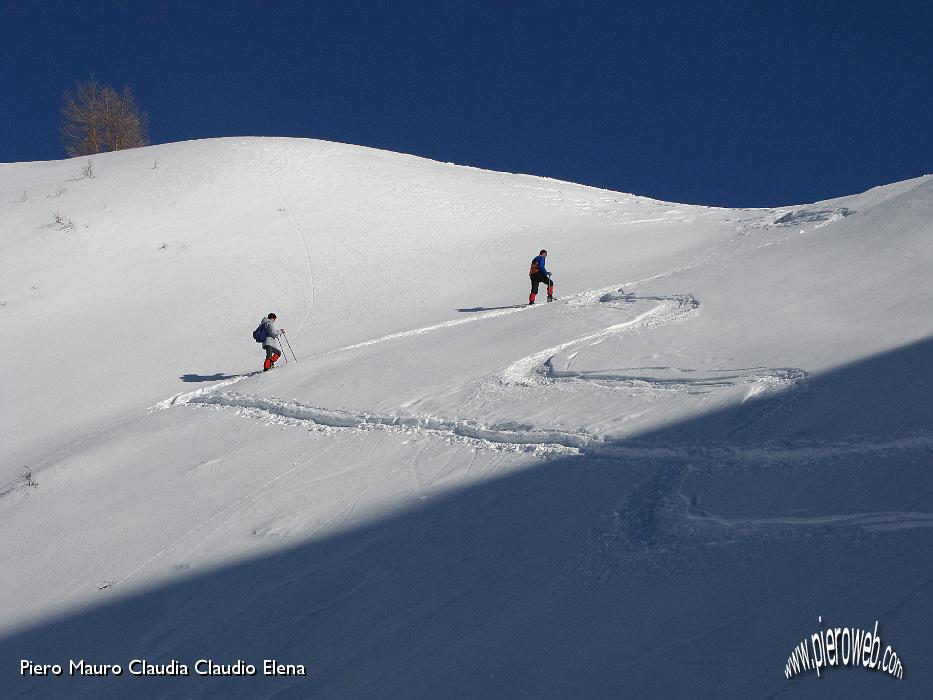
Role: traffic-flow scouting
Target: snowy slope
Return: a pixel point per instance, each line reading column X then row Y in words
column 652, row 487
column 166, row 265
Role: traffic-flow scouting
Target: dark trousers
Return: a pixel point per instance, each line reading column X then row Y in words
column 539, row 277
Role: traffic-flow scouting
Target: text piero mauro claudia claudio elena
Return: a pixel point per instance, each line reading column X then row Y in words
column 142, row 667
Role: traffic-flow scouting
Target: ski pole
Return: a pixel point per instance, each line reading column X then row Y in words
column 289, row 347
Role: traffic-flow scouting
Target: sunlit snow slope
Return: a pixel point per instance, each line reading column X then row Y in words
column 654, row 487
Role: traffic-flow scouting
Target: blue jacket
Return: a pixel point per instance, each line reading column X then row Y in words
column 539, row 262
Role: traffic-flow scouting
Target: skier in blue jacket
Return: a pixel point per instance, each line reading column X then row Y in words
column 538, row 273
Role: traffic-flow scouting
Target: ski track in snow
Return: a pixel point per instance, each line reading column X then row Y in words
column 221, row 515
column 424, row 329
column 649, row 522
column 659, row 525
column 536, row 369
column 555, row 365
column 301, row 236
column 579, row 299
column 508, row 437
column 190, row 396
column 541, row 368
column 513, row 437
column 871, row 521
column 531, row 369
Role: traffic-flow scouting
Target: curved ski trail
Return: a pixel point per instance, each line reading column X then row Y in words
column 669, row 310
column 539, row 367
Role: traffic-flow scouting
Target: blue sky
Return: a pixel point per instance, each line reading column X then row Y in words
column 736, row 104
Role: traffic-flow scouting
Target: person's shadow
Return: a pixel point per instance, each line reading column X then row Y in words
column 475, row 309
column 219, row 376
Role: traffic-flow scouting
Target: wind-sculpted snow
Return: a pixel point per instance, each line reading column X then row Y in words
column 814, row 216
column 820, row 217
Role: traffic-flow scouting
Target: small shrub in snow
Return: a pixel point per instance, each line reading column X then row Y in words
column 59, row 191
column 29, row 480
column 62, row 223
column 87, row 172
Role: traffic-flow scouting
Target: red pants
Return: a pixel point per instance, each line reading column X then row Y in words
column 271, row 356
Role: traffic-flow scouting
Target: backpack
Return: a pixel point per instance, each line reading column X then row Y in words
column 260, row 335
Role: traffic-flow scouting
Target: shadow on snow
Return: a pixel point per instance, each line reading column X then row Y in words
column 477, row 309
column 216, row 377
column 579, row 576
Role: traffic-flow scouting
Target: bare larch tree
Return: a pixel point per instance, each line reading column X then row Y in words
column 98, row 119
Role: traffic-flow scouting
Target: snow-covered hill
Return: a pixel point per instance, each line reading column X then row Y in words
column 651, row 488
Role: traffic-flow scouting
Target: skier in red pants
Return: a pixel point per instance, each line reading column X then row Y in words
column 538, row 273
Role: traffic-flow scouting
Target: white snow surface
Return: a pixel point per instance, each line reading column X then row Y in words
column 653, row 487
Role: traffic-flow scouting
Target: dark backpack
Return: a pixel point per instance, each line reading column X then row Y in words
column 260, row 335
